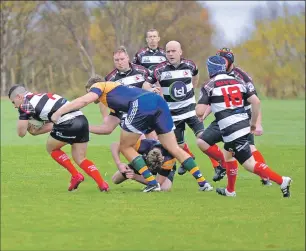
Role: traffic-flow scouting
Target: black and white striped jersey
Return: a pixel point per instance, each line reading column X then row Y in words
column 41, row 107
column 239, row 73
column 177, row 87
column 149, row 58
column 227, row 95
column 135, row 77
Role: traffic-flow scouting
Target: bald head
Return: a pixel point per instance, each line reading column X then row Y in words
column 173, row 43
column 174, row 52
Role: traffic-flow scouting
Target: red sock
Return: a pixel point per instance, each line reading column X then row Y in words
column 263, row 170
column 231, row 172
column 214, row 162
column 215, row 153
column 259, row 158
column 90, row 168
column 61, row 157
column 187, row 150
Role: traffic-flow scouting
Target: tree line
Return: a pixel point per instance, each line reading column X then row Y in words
column 57, row 45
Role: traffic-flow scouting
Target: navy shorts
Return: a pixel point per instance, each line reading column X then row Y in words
column 148, row 113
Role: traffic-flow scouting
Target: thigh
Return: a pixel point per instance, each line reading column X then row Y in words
column 240, row 149
column 212, row 134
column 195, row 124
column 179, row 131
column 54, row 144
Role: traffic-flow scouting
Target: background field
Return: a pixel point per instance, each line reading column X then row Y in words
column 38, row 213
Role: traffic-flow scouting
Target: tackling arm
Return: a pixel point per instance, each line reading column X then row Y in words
column 255, row 103
column 75, row 105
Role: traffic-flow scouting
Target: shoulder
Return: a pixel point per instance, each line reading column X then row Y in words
column 189, row 62
column 242, row 74
column 140, row 68
column 141, row 51
column 111, row 75
column 161, row 66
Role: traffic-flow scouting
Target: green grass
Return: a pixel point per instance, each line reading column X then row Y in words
column 38, row 213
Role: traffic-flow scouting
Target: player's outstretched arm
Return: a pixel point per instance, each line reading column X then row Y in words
column 108, row 126
column 75, row 105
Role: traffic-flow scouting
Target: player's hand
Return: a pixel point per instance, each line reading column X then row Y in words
column 155, row 90
column 123, row 168
column 253, row 128
column 259, row 130
column 32, row 130
column 130, row 174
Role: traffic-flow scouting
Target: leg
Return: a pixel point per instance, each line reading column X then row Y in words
column 79, row 156
column 127, row 142
column 54, row 149
column 259, row 158
column 118, row 178
column 169, row 142
column 151, row 135
column 207, row 143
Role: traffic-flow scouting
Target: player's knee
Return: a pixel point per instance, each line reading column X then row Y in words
column 117, row 178
column 202, row 144
column 253, row 148
column 166, row 186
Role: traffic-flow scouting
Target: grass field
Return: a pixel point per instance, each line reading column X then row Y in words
column 38, row 213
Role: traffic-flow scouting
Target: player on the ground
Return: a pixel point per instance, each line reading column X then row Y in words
column 146, row 112
column 159, row 161
column 127, row 74
column 226, row 96
column 71, row 128
column 211, row 135
column 151, row 55
column 177, row 78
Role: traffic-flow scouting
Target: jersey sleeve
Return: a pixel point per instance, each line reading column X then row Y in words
column 250, row 90
column 204, row 97
column 194, row 70
column 26, row 110
column 136, row 59
column 97, row 89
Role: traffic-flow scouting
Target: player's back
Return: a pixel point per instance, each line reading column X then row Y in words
column 227, row 97
column 117, row 96
column 41, row 106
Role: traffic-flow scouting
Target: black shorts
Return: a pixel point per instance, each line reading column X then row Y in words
column 240, row 148
column 72, row 131
column 193, row 122
column 212, row 134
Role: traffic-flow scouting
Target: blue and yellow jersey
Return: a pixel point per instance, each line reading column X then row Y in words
column 116, row 96
column 144, row 146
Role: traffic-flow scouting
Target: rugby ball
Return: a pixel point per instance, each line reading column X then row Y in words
column 35, row 123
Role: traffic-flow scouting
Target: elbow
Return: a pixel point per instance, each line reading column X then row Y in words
column 199, row 111
column 22, row 134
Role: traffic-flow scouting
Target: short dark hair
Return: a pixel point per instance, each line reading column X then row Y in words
column 94, row 79
column 152, row 30
column 121, row 49
column 13, row 88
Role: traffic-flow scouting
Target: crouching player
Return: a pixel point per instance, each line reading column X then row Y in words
column 71, row 128
column 159, row 161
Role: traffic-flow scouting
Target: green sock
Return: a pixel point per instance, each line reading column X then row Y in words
column 140, row 165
